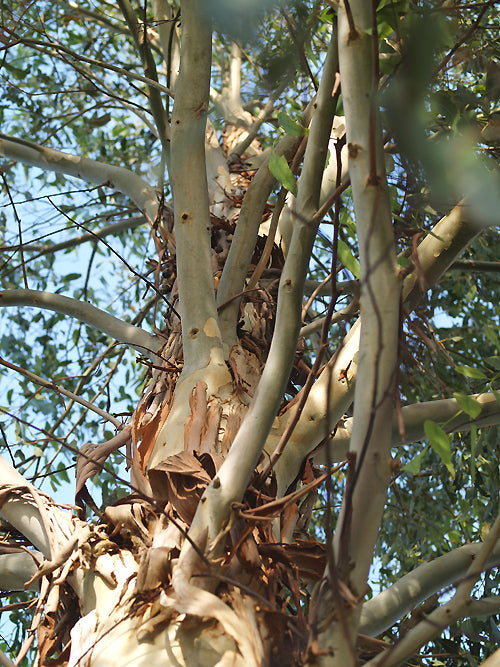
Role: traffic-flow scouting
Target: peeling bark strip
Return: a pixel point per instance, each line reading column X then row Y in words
column 202, row 426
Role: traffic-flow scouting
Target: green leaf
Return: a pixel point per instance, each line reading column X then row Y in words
column 290, row 126
column 99, row 121
column 278, row 166
column 468, row 404
column 439, row 440
column 492, row 336
column 470, row 372
column 72, row 276
column 413, row 466
column 347, row 258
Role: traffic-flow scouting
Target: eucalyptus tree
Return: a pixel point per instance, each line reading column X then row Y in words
column 249, row 290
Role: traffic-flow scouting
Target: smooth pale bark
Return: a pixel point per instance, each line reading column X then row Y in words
column 200, row 328
column 140, row 340
column 228, row 100
column 23, row 508
column 92, row 171
column 386, row 608
column 328, row 182
column 379, row 298
column 242, row 248
column 218, row 177
column 446, row 412
column 331, row 396
column 16, row 569
column 438, row 251
column 91, row 237
column 140, row 36
column 232, row 479
column 445, row 614
column 363, row 503
column 201, row 338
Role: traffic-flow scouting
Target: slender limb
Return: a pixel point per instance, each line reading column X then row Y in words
column 115, row 228
column 140, row 35
column 92, row 171
column 386, row 608
column 20, row 509
column 242, row 247
column 16, row 569
column 446, row 412
column 140, row 340
column 5, row 661
column 265, row 112
column 447, row 613
column 240, row 253
column 200, row 329
column 228, row 101
column 438, row 251
column 380, row 298
column 447, row 241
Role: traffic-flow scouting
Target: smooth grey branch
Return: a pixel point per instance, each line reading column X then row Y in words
column 135, row 337
column 385, row 609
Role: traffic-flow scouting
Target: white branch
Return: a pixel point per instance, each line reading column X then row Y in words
column 16, row 569
column 201, row 338
column 5, row 661
column 361, row 513
column 114, row 228
column 140, row 340
column 385, row 609
column 447, row 240
column 20, row 509
column 243, row 244
column 92, row 171
column 446, row 412
column 446, row 613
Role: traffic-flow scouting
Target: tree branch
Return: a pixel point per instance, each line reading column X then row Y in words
column 447, row 240
column 114, row 228
column 386, row 608
column 447, row 613
column 36, row 379
column 446, row 412
column 140, row 36
column 20, row 509
column 438, row 251
column 140, row 340
column 92, row 171
column 16, row 569
column 242, row 246
column 201, row 338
